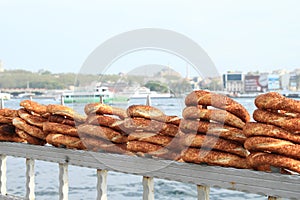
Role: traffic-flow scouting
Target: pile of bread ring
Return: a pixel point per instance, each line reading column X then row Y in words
column 274, row 139
column 7, row 129
column 213, row 125
column 102, row 129
column 214, row 129
column 61, row 127
column 151, row 132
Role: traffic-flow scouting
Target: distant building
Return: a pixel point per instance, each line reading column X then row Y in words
column 233, row 82
column 195, row 82
column 285, row 81
column 273, row 82
column 293, row 82
column 1, row 66
column 255, row 83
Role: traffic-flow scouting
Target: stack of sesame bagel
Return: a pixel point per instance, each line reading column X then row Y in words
column 61, row 127
column 214, row 129
column 152, row 132
column 7, row 129
column 213, row 126
column 274, row 138
column 102, row 130
column 29, row 122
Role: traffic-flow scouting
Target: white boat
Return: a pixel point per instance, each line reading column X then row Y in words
column 81, row 96
column 26, row 95
column 143, row 92
column 5, row 96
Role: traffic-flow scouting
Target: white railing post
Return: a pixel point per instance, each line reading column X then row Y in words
column 3, row 174
column 101, row 184
column 62, row 101
column 63, row 181
column 203, row 192
column 148, row 188
column 30, row 179
column 148, row 101
column 148, row 182
column 1, row 103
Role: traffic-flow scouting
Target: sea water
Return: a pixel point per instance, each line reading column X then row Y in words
column 120, row 186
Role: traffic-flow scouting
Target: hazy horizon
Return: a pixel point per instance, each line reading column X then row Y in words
column 237, row 35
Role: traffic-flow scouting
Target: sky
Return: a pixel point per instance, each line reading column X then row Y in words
column 237, row 35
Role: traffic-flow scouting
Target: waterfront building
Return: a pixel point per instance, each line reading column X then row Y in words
column 255, row 83
column 233, row 82
column 273, row 82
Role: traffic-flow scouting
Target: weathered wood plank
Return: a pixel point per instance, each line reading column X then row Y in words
column 30, row 179
column 3, row 174
column 10, row 197
column 268, row 184
column 101, row 184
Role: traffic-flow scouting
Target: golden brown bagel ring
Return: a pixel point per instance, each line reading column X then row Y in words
column 97, row 144
column 173, row 120
column 148, row 125
column 147, row 112
column 31, row 119
column 99, row 108
column 150, row 137
column 6, row 120
column 152, row 149
column 275, row 101
column 33, row 106
column 8, row 134
column 104, row 120
column 212, row 157
column 215, row 129
column 61, row 120
column 221, row 116
column 268, row 144
column 60, row 128
column 209, row 142
column 30, row 139
column 64, row 140
column 260, row 158
column 6, row 112
column 201, row 97
column 32, row 130
column 65, row 111
column 260, row 129
column 288, row 123
column 109, row 134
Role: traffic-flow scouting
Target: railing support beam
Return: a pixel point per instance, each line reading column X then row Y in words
column 3, row 174
column 63, row 181
column 203, row 192
column 1, row 103
column 101, row 184
column 30, row 179
column 148, row 188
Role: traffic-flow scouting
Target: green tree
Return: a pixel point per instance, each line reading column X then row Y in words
column 156, row 86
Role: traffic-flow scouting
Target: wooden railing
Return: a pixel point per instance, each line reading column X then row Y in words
column 271, row 185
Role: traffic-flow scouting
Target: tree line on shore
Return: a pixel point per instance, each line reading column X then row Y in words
column 47, row 80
